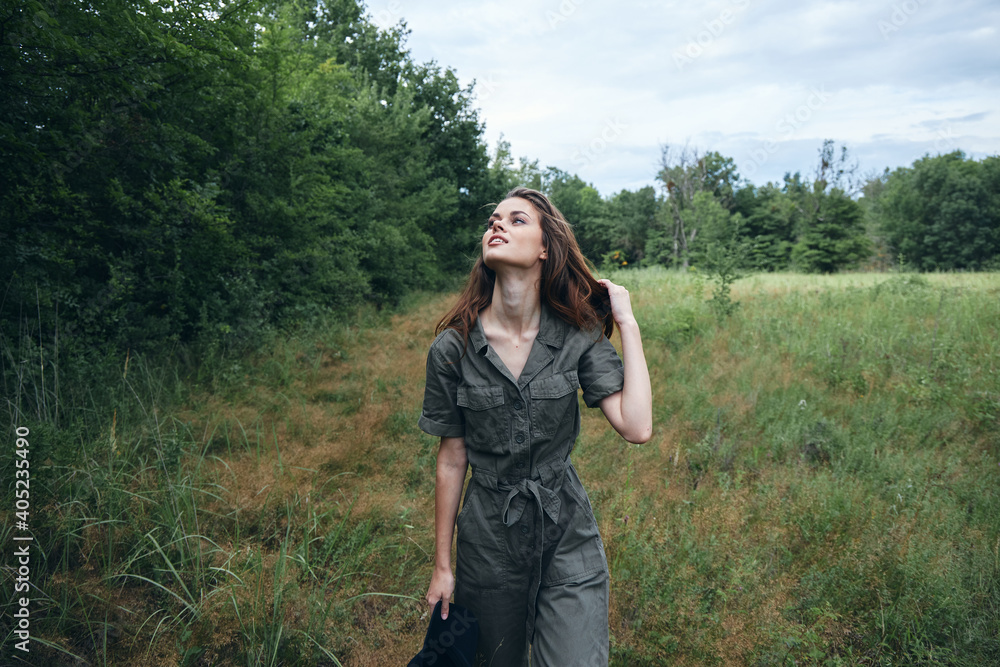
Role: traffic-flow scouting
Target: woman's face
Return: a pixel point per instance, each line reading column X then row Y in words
column 513, row 236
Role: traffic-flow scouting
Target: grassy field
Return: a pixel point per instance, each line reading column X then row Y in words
column 821, row 488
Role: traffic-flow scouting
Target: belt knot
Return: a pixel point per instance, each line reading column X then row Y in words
column 517, row 498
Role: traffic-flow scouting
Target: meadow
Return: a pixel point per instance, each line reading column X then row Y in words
column 821, row 488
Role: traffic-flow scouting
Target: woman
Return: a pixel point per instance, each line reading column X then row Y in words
column 502, row 377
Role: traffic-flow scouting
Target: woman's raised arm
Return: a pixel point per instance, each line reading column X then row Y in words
column 629, row 411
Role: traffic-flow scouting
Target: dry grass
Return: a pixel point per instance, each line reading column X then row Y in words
column 315, row 451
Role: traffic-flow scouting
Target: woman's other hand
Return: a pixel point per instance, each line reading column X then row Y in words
column 441, row 588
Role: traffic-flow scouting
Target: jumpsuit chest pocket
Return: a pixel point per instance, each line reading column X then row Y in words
column 486, row 423
column 553, row 401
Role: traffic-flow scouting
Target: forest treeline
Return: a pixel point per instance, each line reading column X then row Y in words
column 204, row 171
column 941, row 213
column 200, row 170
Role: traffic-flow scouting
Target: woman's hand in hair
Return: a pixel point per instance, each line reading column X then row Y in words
column 621, row 304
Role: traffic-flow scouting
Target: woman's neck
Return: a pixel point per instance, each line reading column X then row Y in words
column 517, row 304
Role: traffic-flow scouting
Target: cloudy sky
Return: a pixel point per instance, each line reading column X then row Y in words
column 597, row 87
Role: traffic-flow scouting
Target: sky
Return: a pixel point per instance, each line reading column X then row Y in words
column 598, row 88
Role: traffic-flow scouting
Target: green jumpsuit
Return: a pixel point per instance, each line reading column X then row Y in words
column 531, row 563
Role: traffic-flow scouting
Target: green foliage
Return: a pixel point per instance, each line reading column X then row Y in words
column 725, row 255
column 771, row 222
column 715, row 226
column 205, row 173
column 632, row 215
column 613, row 260
column 832, row 235
column 686, row 173
column 940, row 213
column 584, row 209
column 699, row 193
column 943, row 213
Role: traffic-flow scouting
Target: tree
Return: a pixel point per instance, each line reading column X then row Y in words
column 837, row 170
column 943, row 213
column 833, row 237
column 771, row 225
column 583, row 207
column 683, row 174
column 111, row 183
column 631, row 215
column 831, row 234
column 715, row 223
column 196, row 170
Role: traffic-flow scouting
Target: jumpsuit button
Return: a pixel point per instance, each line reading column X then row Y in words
column 519, row 438
column 520, row 464
column 518, row 405
column 524, row 530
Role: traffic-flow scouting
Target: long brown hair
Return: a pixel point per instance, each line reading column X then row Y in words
column 568, row 287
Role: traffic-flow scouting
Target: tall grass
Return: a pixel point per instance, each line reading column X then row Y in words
column 820, row 488
column 825, row 491
column 143, row 552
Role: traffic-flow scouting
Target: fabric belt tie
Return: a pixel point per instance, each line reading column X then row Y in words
column 517, row 500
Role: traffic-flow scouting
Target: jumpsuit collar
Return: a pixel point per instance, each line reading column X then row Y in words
column 551, row 333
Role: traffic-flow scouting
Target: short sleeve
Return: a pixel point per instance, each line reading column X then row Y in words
column 441, row 415
column 601, row 372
